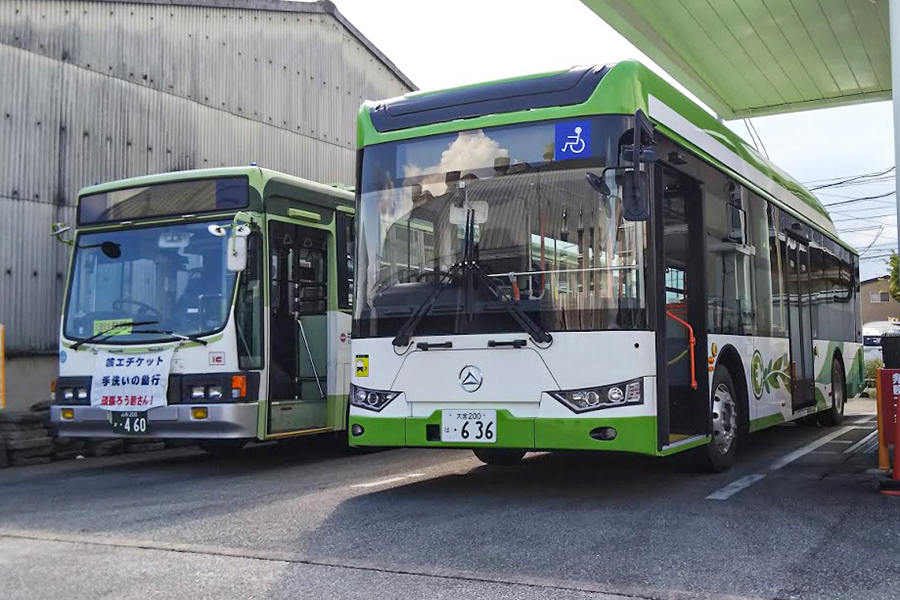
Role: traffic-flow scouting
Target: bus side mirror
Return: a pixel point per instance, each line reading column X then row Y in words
column 634, row 196
column 237, row 248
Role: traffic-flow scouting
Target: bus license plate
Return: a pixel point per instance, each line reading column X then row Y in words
column 469, row 426
column 129, row 422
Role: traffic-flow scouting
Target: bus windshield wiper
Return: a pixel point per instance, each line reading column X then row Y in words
column 470, row 267
column 191, row 337
column 535, row 331
column 108, row 332
column 409, row 327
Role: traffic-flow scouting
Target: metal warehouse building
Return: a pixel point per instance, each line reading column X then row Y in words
column 96, row 90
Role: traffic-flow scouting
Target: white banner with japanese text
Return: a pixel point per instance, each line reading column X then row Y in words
column 131, row 381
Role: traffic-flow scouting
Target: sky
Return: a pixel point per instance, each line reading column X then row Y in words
column 445, row 44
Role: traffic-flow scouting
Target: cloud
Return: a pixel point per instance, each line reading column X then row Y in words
column 470, row 150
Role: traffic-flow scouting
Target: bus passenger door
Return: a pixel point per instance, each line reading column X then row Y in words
column 298, row 326
column 800, row 323
column 683, row 405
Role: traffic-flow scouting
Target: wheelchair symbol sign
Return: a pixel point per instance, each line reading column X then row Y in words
column 573, row 140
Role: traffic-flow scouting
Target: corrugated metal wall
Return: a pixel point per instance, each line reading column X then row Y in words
column 96, row 91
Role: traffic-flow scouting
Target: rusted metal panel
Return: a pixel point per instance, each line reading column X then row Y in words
column 96, row 91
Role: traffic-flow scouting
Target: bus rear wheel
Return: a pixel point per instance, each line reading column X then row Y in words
column 835, row 414
column 499, row 456
column 718, row 455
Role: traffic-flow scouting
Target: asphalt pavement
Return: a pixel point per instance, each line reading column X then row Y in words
column 798, row 517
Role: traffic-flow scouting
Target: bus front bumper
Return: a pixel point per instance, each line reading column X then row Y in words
column 223, row 421
column 633, row 434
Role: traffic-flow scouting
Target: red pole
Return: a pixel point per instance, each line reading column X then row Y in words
column 891, row 487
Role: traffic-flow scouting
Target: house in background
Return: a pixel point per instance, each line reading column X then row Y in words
column 875, row 301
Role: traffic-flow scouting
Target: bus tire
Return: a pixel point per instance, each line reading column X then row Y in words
column 835, row 413
column 725, row 419
column 503, row 457
column 224, row 448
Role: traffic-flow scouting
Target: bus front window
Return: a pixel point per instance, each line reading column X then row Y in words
column 174, row 276
column 553, row 244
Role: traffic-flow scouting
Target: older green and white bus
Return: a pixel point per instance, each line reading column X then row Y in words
column 587, row 259
column 211, row 305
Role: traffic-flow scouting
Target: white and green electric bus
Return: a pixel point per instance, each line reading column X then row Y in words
column 211, row 305
column 588, row 260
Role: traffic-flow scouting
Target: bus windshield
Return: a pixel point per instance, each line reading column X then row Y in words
column 551, row 243
column 173, row 276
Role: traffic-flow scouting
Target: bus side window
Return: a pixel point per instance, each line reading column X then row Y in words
column 346, row 240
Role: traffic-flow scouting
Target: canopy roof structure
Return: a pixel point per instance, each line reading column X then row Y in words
column 747, row 58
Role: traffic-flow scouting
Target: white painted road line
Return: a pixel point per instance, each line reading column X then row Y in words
column 734, row 487
column 856, row 447
column 789, row 458
column 744, row 482
column 386, row 481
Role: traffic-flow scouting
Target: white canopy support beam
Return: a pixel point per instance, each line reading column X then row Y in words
column 894, row 12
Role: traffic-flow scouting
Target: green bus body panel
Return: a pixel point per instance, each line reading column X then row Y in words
column 635, row 434
column 767, row 421
column 623, row 90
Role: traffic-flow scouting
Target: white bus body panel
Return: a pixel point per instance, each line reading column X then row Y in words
column 514, row 379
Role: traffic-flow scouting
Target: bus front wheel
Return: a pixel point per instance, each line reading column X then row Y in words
column 499, row 456
column 718, row 455
column 835, row 414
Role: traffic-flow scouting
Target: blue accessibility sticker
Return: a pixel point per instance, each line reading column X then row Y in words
column 573, row 140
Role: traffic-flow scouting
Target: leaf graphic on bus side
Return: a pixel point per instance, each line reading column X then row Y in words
column 777, row 366
column 773, row 378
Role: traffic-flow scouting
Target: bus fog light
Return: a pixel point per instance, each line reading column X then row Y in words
column 357, row 430
column 199, row 412
column 215, row 392
column 67, row 414
column 197, row 392
column 605, row 434
column 370, row 399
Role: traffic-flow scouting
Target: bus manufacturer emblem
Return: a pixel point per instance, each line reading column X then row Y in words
column 470, row 378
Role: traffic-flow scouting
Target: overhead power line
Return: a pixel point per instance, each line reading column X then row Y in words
column 862, row 199
column 855, row 180
column 848, row 177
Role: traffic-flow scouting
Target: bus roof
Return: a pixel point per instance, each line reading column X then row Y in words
column 621, row 88
column 259, row 177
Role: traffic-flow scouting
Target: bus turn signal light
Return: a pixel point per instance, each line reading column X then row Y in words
column 239, row 386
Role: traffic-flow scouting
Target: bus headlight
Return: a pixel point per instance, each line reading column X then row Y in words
column 605, row 396
column 68, row 394
column 370, row 399
column 82, row 394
